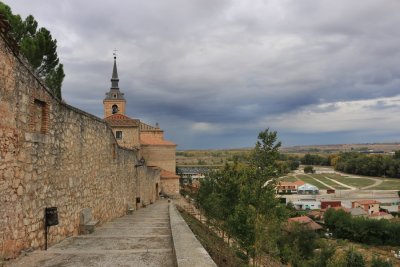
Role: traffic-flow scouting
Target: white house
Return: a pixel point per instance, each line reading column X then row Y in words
column 307, row 204
column 307, row 189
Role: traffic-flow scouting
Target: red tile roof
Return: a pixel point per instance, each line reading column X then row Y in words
column 153, row 140
column 121, row 120
column 366, row 202
column 168, row 175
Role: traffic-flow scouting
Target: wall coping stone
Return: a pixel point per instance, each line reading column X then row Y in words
column 188, row 250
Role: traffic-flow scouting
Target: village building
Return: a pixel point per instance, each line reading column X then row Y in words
column 307, row 204
column 288, row 187
column 326, row 204
column 131, row 133
column 370, row 206
column 308, row 189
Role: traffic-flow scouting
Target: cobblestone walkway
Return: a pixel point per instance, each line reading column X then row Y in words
column 141, row 239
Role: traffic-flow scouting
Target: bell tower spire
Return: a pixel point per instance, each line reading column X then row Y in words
column 114, row 103
column 114, row 78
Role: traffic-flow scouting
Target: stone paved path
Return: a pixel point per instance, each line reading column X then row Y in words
column 141, row 239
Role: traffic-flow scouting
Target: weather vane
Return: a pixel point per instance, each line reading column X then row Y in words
column 115, row 52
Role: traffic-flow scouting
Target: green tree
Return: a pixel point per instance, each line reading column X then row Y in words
column 297, row 244
column 309, row 169
column 39, row 48
column 240, row 199
column 354, row 258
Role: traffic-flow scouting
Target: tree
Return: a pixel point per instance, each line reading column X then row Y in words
column 297, row 244
column 309, row 169
column 240, row 199
column 39, row 48
column 354, row 258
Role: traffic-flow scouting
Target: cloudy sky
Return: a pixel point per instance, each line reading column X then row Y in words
column 215, row 73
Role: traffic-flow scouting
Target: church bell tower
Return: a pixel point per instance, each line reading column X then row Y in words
column 114, row 103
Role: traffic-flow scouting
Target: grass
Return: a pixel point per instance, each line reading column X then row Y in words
column 355, row 182
column 388, row 184
column 322, row 178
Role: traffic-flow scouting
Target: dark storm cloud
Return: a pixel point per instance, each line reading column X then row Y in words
column 232, row 68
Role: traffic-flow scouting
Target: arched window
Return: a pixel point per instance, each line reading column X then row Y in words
column 114, row 109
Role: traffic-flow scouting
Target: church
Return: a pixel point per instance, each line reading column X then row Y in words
column 149, row 140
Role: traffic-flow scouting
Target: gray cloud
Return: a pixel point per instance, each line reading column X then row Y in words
column 211, row 72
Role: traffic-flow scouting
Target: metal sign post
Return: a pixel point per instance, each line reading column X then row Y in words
column 50, row 219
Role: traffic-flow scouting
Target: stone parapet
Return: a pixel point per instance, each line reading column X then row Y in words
column 188, row 250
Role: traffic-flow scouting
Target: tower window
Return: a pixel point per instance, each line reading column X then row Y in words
column 115, row 95
column 114, row 109
column 118, row 134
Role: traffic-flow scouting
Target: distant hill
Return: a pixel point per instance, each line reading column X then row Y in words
column 386, row 147
column 218, row 157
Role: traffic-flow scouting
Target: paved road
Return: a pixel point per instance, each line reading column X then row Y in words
column 141, row 239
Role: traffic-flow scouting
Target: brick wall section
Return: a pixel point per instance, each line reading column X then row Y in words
column 161, row 156
column 52, row 154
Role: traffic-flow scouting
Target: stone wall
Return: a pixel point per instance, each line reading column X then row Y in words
column 52, row 154
column 130, row 136
column 162, row 156
column 170, row 186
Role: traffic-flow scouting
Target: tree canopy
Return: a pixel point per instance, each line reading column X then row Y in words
column 39, row 48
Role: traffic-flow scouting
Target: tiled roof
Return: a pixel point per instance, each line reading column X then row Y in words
column 298, row 183
column 168, row 175
column 306, row 221
column 358, row 211
column 153, row 140
column 121, row 120
column 366, row 202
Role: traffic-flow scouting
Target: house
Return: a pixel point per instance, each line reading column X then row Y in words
column 326, row 204
column 288, row 187
column 370, row 206
column 307, row 189
column 304, row 220
column 307, row 204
